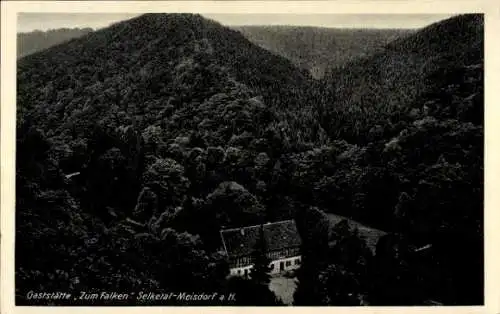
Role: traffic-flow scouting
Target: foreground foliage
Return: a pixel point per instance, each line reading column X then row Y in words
column 129, row 164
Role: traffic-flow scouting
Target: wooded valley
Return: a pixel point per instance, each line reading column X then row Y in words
column 137, row 143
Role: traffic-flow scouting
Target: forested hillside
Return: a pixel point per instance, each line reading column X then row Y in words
column 31, row 42
column 175, row 129
column 137, row 143
column 317, row 49
column 414, row 114
column 410, row 72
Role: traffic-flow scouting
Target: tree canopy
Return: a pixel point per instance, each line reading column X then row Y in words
column 137, row 143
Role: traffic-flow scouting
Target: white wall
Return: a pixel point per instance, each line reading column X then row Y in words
column 291, row 260
column 274, row 264
column 240, row 271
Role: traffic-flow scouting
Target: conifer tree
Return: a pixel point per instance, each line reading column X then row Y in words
column 261, row 263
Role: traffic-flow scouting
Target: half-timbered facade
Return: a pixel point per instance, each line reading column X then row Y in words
column 282, row 243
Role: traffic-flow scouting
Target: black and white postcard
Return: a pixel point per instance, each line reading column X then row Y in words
column 194, row 157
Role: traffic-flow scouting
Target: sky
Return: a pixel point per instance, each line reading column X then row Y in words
column 43, row 21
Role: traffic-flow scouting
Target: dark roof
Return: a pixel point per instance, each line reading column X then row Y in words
column 278, row 235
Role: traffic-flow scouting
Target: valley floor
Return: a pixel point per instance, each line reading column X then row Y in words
column 371, row 235
column 283, row 287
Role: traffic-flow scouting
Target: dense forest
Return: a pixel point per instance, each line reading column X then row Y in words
column 137, row 143
column 318, row 49
column 31, row 42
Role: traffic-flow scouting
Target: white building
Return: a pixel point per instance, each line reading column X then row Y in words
column 282, row 242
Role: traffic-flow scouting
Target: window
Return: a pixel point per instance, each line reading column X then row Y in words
column 272, row 266
column 239, row 271
column 297, row 261
column 246, row 272
column 288, row 263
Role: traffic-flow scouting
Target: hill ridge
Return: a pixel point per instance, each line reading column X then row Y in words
column 318, row 49
column 178, row 126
